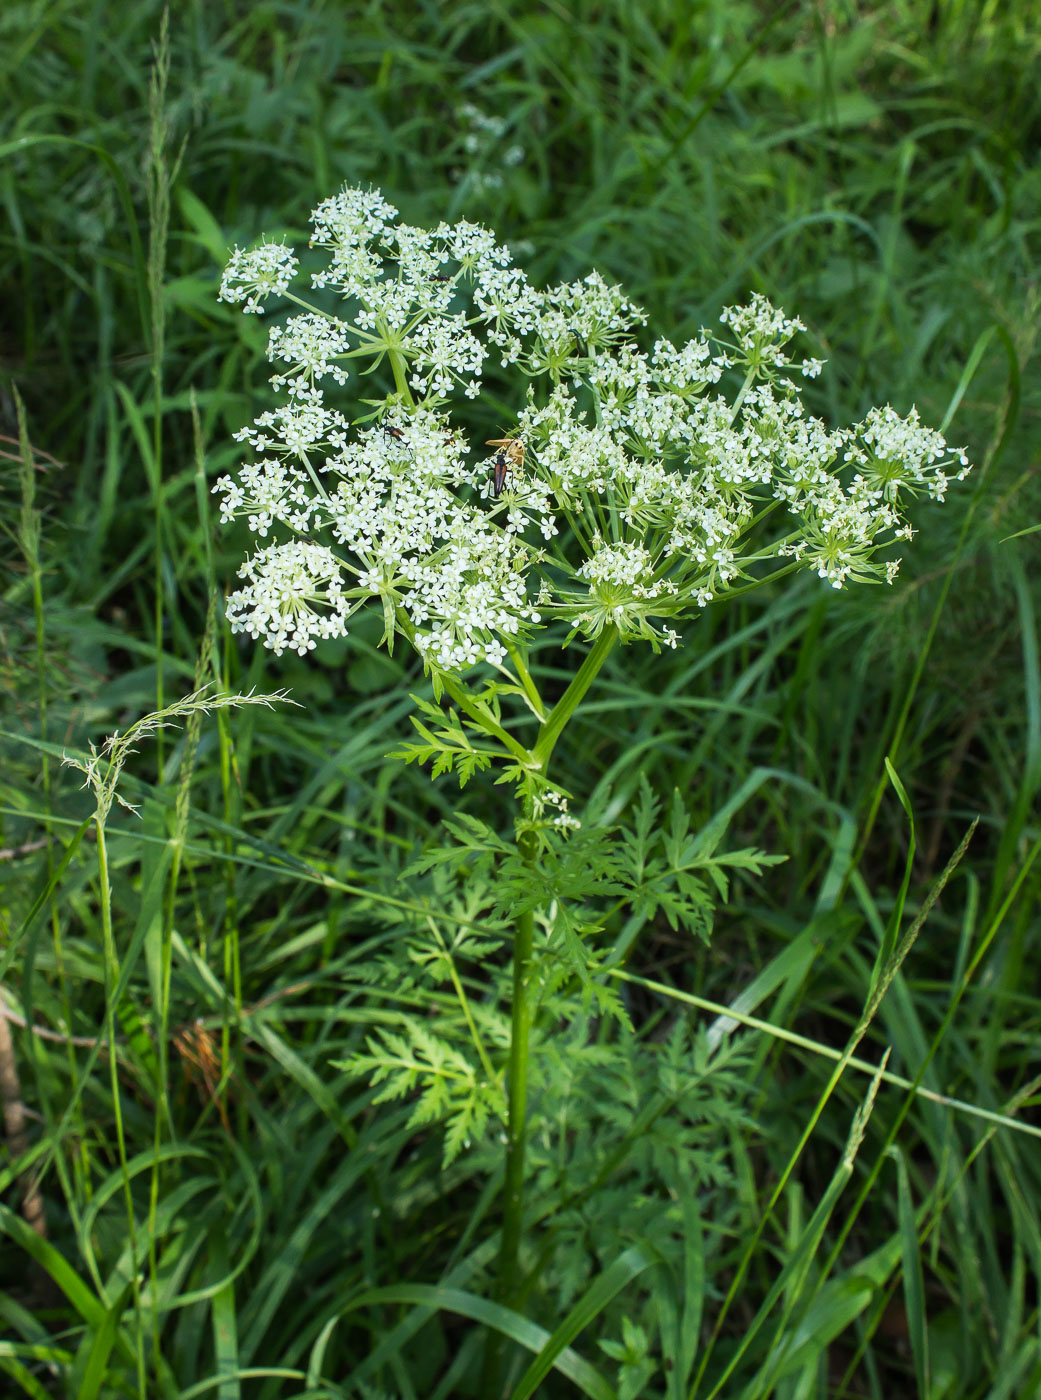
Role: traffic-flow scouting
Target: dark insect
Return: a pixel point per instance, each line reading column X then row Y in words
column 510, row 454
column 500, row 465
column 398, row 436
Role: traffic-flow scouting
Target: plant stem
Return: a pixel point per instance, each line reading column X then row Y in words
column 397, row 365
column 529, row 686
column 108, row 944
column 159, row 182
column 478, row 713
column 510, row 1280
column 520, row 1024
column 569, row 701
column 460, row 993
column 517, row 1094
column 749, row 381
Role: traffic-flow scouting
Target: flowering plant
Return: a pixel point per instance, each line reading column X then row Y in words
column 627, row 489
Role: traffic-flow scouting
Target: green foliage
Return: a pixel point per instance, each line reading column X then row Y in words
column 629, row 1129
column 452, row 1091
column 634, row 1367
column 586, row 876
column 659, row 865
column 447, row 748
column 582, row 877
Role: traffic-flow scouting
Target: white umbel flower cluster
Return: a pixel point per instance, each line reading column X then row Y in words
column 630, row 487
column 264, row 271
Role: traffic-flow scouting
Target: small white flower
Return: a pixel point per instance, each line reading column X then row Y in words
column 259, row 272
column 761, row 330
column 309, row 345
column 293, row 596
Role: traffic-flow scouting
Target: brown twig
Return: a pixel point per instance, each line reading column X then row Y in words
column 7, row 1013
column 35, row 451
column 13, row 852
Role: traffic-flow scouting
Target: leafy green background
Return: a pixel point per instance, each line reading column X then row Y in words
column 872, row 168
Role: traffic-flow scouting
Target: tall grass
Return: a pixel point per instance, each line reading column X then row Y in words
column 734, row 1201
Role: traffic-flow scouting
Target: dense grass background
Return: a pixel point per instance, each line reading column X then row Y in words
column 870, row 167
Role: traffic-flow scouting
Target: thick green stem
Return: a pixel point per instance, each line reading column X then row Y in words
column 517, row 1096
column 511, row 1284
column 397, row 365
column 569, row 701
column 520, row 1026
column 487, row 722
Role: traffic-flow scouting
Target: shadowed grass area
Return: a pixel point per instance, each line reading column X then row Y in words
column 712, row 1212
